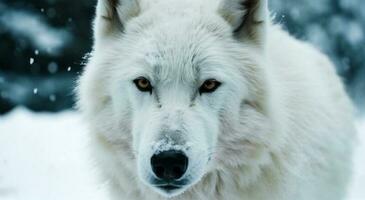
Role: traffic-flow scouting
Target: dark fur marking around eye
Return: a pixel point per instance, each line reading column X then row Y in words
column 157, row 98
column 253, row 104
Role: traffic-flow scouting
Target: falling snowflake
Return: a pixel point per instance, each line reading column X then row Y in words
column 52, row 67
column 52, row 98
column 31, row 61
column 35, row 91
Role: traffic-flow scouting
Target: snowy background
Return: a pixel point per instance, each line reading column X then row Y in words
column 42, row 45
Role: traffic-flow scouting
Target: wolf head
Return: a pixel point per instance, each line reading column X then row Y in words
column 174, row 89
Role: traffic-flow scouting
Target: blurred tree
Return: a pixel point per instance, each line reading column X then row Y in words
column 42, row 45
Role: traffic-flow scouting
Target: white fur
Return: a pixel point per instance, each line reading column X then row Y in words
column 280, row 127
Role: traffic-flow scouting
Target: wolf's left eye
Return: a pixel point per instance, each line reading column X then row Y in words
column 143, row 84
column 209, row 86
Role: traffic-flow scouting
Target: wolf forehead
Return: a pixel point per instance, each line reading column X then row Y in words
column 181, row 47
column 186, row 44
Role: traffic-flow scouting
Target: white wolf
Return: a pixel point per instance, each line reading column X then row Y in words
column 208, row 100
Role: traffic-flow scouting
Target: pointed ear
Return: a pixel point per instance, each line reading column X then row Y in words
column 111, row 16
column 248, row 18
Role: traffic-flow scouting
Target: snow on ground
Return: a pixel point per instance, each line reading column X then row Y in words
column 44, row 157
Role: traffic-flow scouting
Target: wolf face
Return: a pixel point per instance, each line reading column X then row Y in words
column 169, row 81
column 177, row 96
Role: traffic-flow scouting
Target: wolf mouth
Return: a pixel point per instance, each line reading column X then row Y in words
column 161, row 183
column 169, row 188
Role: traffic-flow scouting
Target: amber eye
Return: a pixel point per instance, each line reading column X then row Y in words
column 143, row 84
column 209, row 86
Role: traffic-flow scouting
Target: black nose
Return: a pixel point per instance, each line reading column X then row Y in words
column 169, row 165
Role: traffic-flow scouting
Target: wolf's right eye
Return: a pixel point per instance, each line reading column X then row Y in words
column 209, row 86
column 143, row 84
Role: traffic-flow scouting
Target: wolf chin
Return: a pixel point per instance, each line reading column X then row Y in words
column 209, row 100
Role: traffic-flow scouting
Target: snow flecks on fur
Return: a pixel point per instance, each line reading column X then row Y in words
column 169, row 144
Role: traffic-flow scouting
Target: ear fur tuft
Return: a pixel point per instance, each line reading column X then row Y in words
column 248, row 18
column 112, row 15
